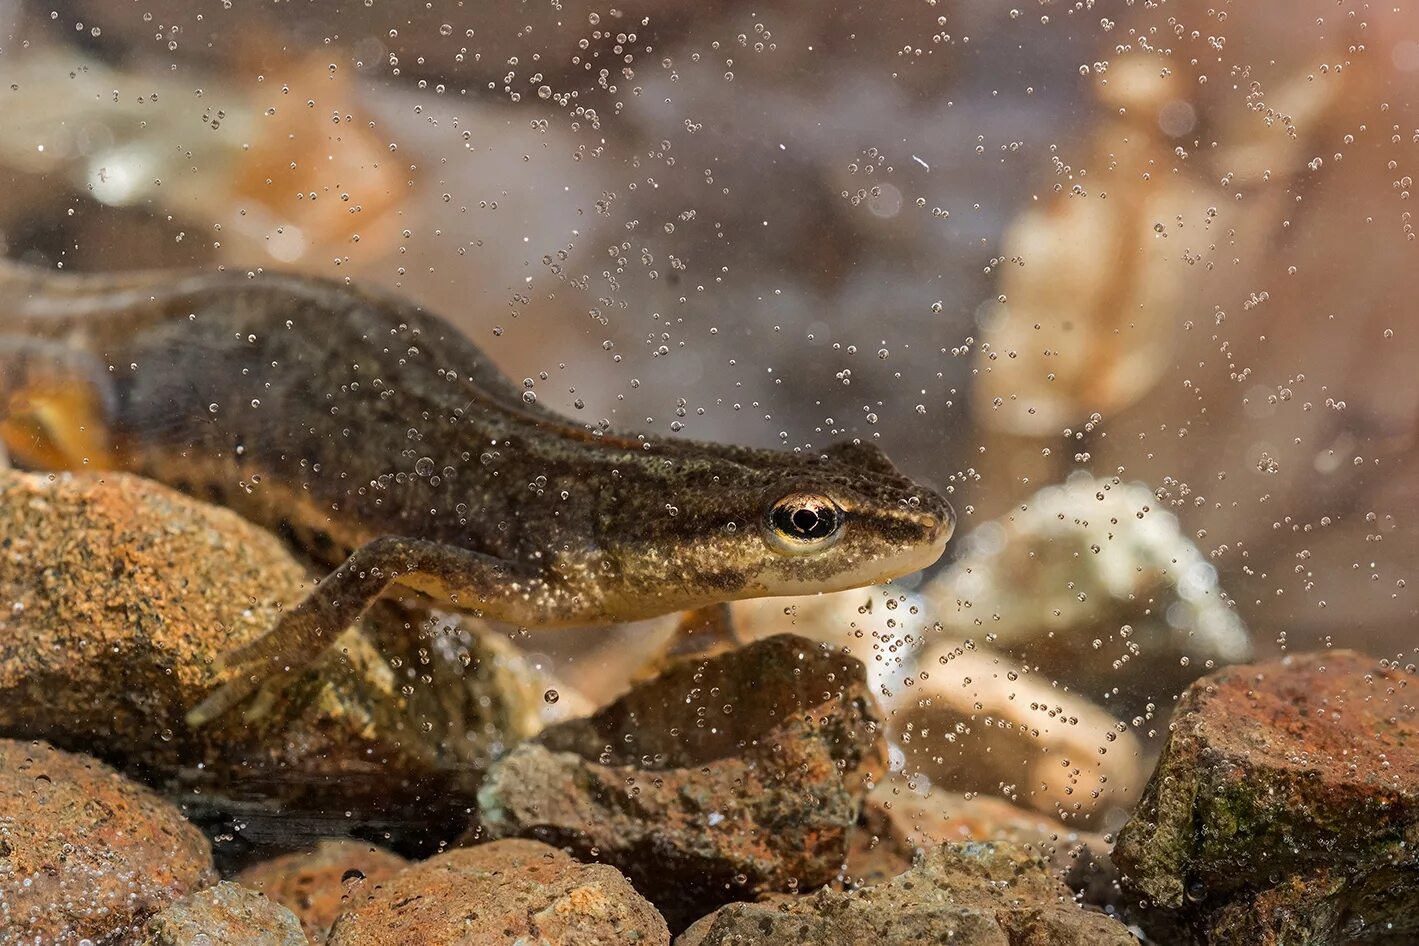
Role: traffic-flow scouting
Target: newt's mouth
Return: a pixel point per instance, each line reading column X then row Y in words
column 936, row 531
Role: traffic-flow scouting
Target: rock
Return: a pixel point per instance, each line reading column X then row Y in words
column 972, row 717
column 1319, row 908
column 900, row 822
column 719, row 780
column 86, row 854
column 316, row 884
column 982, row 894
column 224, row 915
column 505, row 892
column 1117, row 587
column 979, row 721
column 122, row 592
column 1285, row 807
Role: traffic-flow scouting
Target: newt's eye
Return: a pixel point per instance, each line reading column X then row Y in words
column 800, row 523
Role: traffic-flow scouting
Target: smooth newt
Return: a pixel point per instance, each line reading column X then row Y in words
column 385, row 447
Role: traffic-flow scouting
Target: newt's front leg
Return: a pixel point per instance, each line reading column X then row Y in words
column 468, row 579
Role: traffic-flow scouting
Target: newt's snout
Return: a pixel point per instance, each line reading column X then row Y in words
column 933, row 522
column 940, row 519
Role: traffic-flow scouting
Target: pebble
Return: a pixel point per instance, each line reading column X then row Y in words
column 977, row 894
column 317, row 884
column 85, row 854
column 718, row 780
column 498, row 894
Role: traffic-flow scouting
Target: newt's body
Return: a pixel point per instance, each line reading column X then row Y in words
column 383, row 444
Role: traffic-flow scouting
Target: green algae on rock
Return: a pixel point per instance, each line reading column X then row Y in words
column 85, row 854
column 224, row 915
column 720, row 779
column 1285, row 808
column 977, row 894
column 512, row 891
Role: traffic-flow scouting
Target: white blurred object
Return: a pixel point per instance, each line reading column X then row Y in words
column 1094, row 571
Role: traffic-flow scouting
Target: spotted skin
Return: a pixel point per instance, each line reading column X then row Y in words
column 386, row 448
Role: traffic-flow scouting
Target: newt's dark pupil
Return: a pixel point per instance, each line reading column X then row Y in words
column 805, row 521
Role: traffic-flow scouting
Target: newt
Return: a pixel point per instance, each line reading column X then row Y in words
column 387, row 449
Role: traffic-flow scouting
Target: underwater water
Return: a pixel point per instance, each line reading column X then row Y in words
column 566, row 473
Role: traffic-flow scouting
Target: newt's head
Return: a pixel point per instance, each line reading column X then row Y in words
column 848, row 521
column 743, row 523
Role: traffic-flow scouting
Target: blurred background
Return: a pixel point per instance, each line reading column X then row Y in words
column 1134, row 283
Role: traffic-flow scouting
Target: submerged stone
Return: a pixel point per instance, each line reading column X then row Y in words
column 85, row 854
column 316, row 884
column 979, row 894
column 123, row 593
column 1285, row 808
column 718, row 780
column 900, row 823
column 497, row 894
column 224, row 915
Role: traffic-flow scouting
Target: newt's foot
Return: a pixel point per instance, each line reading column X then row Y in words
column 704, row 632
column 229, row 695
column 267, row 666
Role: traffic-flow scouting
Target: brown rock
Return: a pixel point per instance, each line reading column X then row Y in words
column 224, row 915
column 86, row 854
column 899, row 823
column 1316, row 909
column 980, row 721
column 720, row 779
column 877, row 849
column 316, row 884
column 964, row 894
column 504, row 892
column 1285, row 807
column 122, row 593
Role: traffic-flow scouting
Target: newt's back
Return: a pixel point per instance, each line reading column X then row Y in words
column 308, row 406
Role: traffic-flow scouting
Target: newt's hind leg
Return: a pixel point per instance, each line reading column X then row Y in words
column 56, row 405
column 707, row 630
column 468, row 579
column 703, row 632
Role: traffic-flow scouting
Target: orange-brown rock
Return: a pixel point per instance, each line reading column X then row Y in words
column 505, row 892
column 316, row 884
column 85, row 854
column 120, row 595
column 720, row 779
column 899, row 823
column 979, row 894
column 224, row 915
column 1285, row 807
